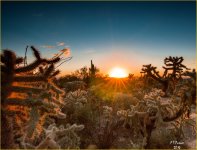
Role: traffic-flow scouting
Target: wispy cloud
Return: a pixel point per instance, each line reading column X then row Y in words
column 47, row 46
column 60, row 43
column 66, row 51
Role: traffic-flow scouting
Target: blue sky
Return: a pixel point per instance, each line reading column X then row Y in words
column 124, row 34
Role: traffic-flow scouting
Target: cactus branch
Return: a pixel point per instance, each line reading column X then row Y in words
column 29, row 78
column 21, row 89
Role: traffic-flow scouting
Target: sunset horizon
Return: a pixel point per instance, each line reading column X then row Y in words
column 124, row 34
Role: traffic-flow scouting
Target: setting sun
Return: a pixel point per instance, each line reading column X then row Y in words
column 118, row 73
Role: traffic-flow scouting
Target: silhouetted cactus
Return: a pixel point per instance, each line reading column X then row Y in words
column 175, row 65
column 150, row 71
column 92, row 70
column 173, row 71
column 23, row 103
column 130, row 76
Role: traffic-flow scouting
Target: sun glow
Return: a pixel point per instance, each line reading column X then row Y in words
column 118, row 73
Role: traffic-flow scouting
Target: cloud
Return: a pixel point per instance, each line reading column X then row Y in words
column 47, row 46
column 54, row 46
column 60, row 43
column 66, row 52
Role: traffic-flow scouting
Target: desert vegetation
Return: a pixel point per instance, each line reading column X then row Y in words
column 87, row 109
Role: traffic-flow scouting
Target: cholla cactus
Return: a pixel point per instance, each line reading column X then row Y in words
column 186, row 89
column 155, row 94
column 77, row 98
column 148, row 114
column 141, row 123
column 58, row 137
column 173, row 64
column 122, row 113
column 70, row 139
column 108, row 125
column 22, row 100
column 107, row 112
column 151, row 72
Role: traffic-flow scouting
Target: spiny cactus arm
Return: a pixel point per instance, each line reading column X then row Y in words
column 30, row 67
column 61, row 115
column 147, row 68
column 54, row 100
column 19, row 60
column 34, row 118
column 174, row 117
column 62, row 132
column 29, row 78
column 55, row 88
column 24, row 144
column 69, row 129
column 57, row 114
column 48, row 71
column 13, row 112
column 58, row 102
column 180, row 60
column 48, row 143
column 183, row 66
column 37, row 62
column 165, row 73
column 55, row 73
column 167, row 68
column 49, row 108
column 28, row 102
column 41, row 70
column 36, row 53
column 51, row 61
column 21, row 89
column 155, row 77
column 22, row 102
column 156, row 73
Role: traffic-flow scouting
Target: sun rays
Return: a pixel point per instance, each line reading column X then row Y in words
column 114, row 85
